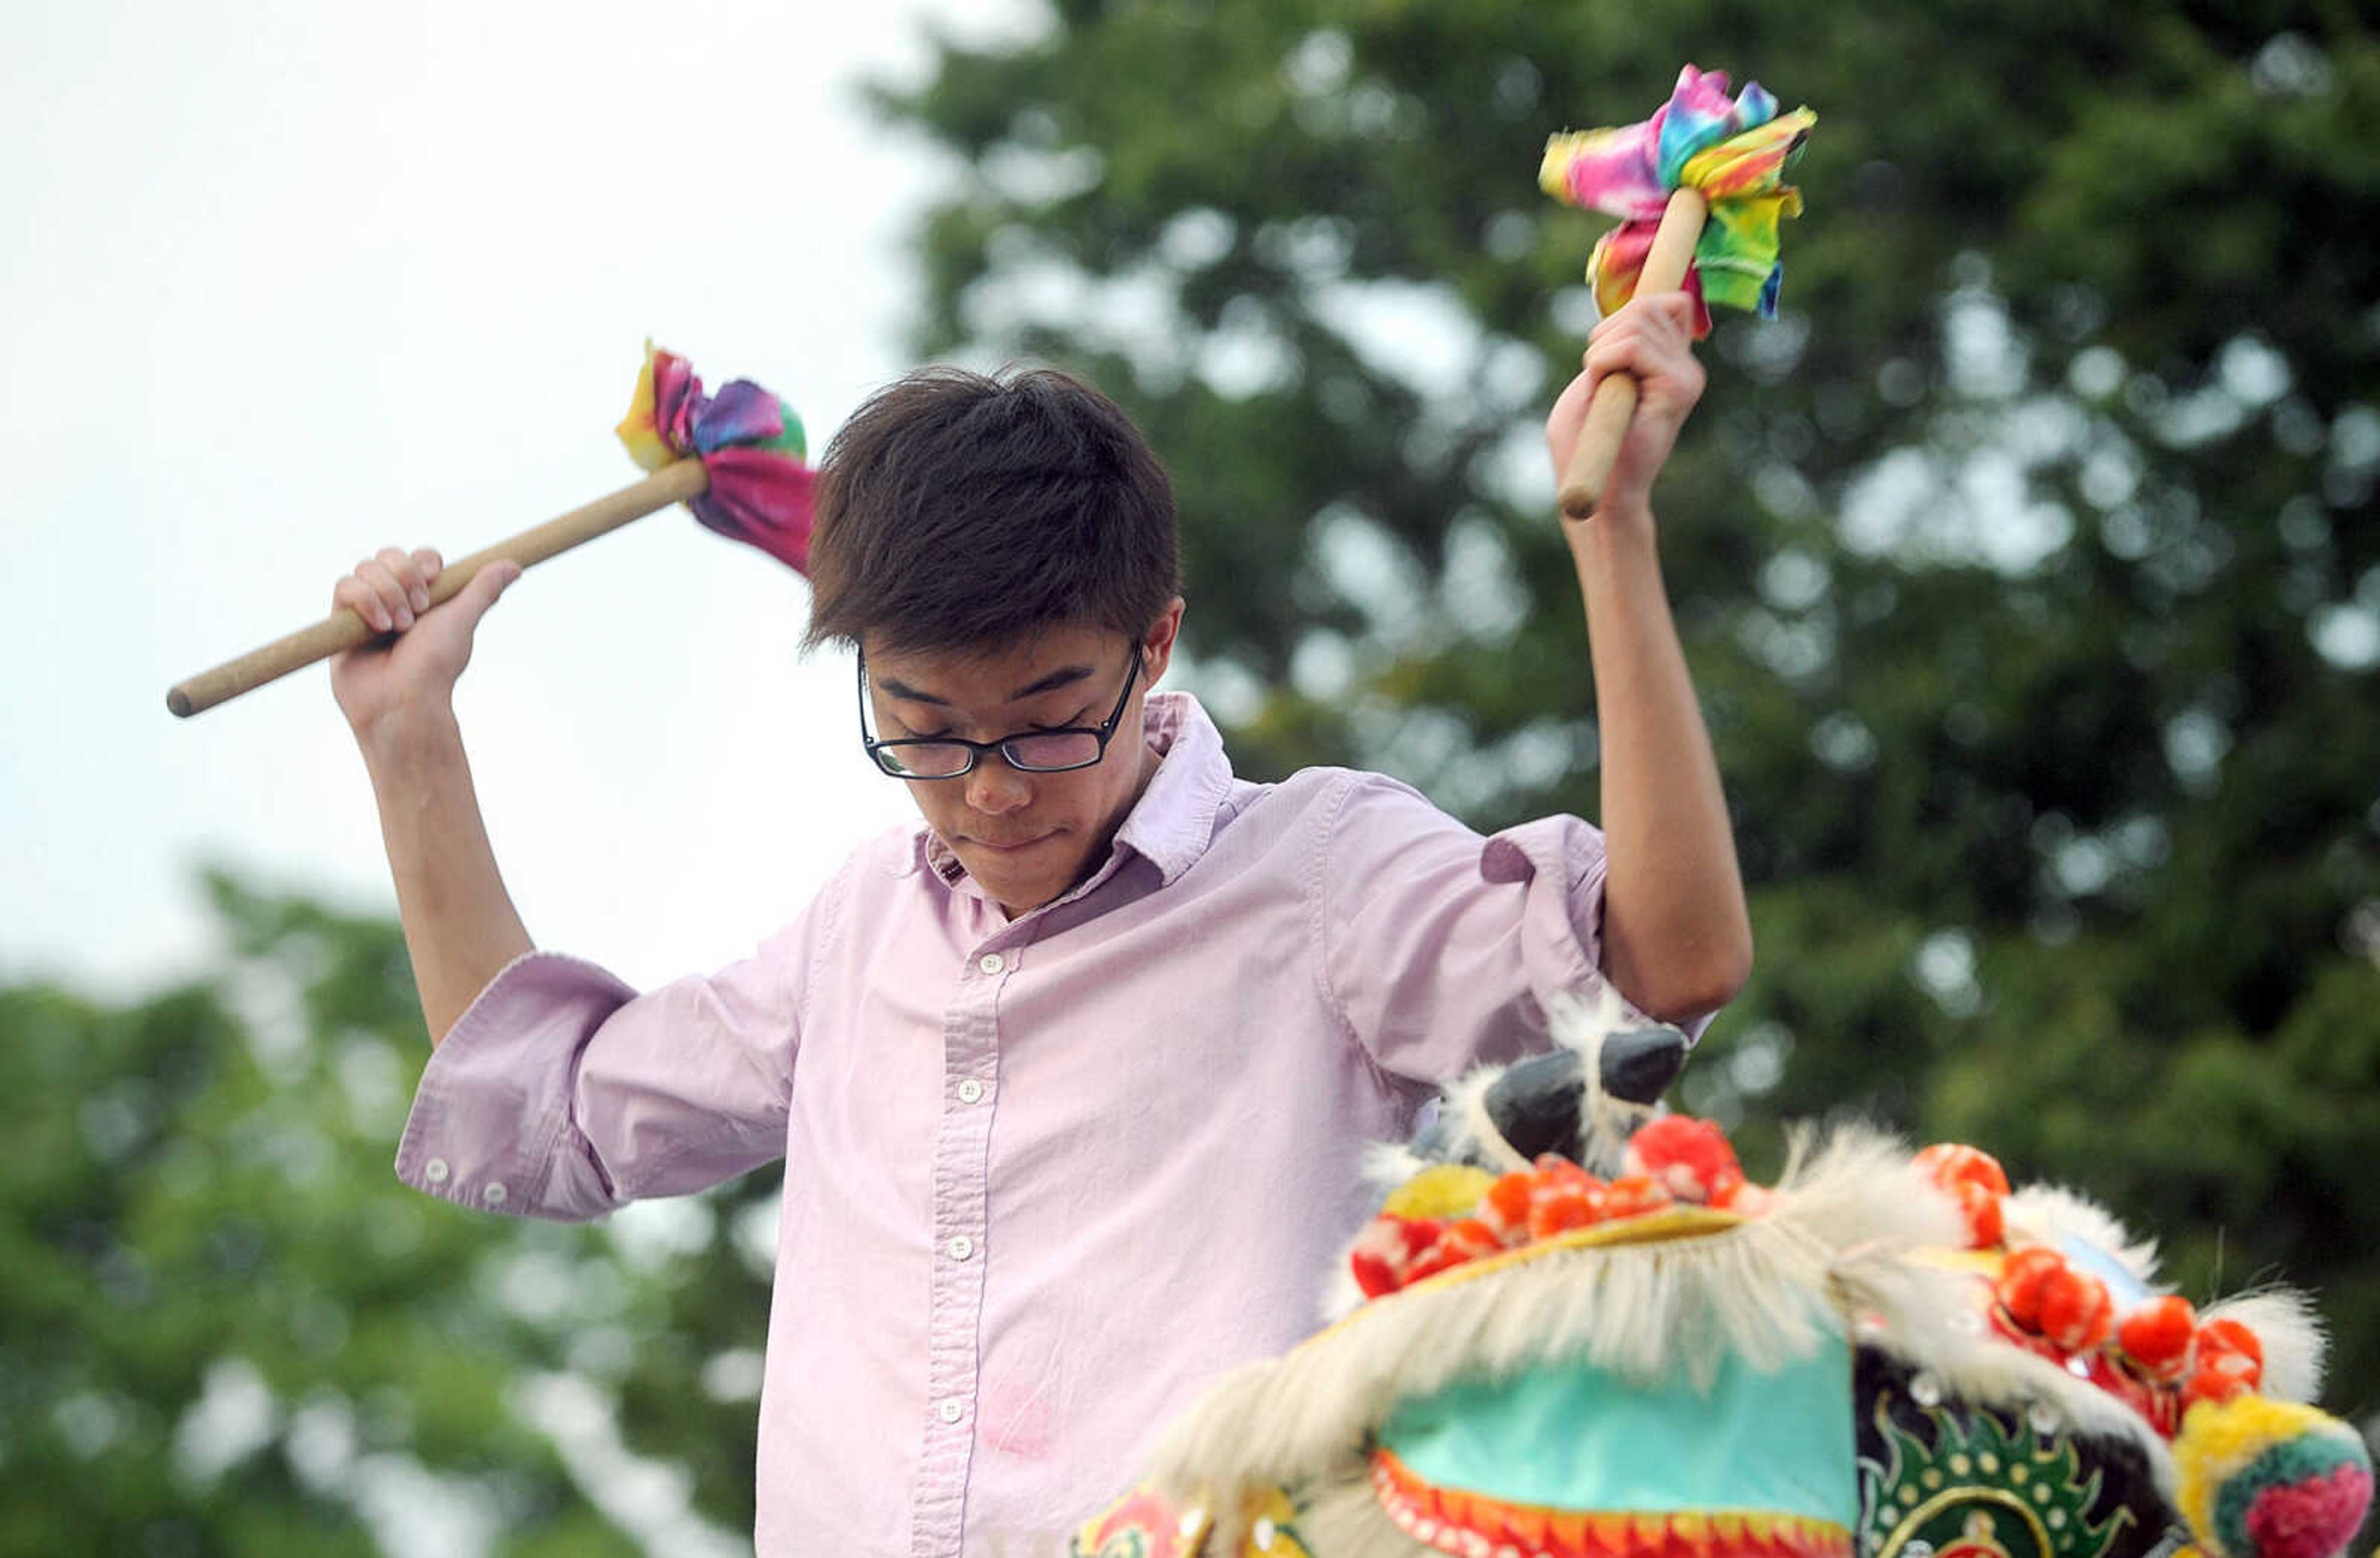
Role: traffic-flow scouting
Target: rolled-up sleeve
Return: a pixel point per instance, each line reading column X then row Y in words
column 1441, row 946
column 562, row 1093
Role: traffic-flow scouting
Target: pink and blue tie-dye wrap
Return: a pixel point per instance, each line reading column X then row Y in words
column 1735, row 151
column 750, row 444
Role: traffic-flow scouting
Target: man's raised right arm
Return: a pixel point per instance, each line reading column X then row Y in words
column 460, row 926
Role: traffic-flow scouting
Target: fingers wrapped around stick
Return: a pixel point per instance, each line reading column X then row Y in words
column 390, row 589
column 1614, row 403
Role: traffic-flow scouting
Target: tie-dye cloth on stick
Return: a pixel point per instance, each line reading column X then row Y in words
column 750, row 444
column 1734, row 151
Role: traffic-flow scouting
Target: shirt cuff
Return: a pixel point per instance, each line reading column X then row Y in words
column 489, row 1127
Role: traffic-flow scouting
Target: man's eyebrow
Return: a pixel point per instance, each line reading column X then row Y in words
column 896, row 688
column 1066, row 675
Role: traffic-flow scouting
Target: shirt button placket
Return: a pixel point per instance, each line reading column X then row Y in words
column 970, row 1052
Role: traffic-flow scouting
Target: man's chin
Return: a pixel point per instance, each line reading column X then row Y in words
column 1015, row 883
column 1001, row 875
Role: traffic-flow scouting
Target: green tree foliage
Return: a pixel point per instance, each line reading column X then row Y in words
column 227, row 1328
column 2027, row 563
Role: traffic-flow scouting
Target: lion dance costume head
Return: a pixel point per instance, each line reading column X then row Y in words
column 1577, row 1330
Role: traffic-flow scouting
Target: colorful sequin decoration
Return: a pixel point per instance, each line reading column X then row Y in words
column 750, row 444
column 1734, row 151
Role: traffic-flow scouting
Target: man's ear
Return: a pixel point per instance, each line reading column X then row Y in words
column 1157, row 644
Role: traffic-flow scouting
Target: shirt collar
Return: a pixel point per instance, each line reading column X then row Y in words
column 1173, row 821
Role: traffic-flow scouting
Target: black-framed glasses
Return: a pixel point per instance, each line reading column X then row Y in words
column 1028, row 752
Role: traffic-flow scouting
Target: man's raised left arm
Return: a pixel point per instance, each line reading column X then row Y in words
column 1676, row 940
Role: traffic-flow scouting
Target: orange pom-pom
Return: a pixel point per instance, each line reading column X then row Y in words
column 1634, row 1195
column 2156, row 1336
column 2214, row 1384
column 1505, row 1207
column 1554, row 1167
column 1557, row 1209
column 1471, row 1236
column 1949, row 1163
column 1976, row 1181
column 1986, row 1226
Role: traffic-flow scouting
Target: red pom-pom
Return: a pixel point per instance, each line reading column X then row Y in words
column 1436, row 1258
column 2021, row 1279
column 2044, row 1296
column 2229, row 1361
column 1691, row 1157
column 2242, row 1349
column 1374, row 1275
column 1385, row 1252
column 2156, row 1336
column 1458, row 1242
column 2159, row 1405
column 2076, row 1313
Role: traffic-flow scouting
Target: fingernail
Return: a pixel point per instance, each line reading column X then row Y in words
column 403, row 619
column 420, row 598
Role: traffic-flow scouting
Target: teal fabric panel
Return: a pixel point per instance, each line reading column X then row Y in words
column 1573, row 1438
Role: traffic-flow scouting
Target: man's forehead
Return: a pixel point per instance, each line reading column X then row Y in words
column 1010, row 673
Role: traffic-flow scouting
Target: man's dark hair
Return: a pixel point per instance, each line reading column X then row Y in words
column 957, row 511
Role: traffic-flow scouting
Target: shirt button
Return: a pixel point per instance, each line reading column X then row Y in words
column 970, row 1091
column 960, row 1246
column 435, row 1171
column 493, row 1195
column 992, row 963
column 950, row 1411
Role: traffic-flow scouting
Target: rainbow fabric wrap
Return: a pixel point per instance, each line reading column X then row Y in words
column 750, row 444
column 1735, row 151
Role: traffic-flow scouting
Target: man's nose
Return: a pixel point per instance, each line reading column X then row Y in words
column 995, row 787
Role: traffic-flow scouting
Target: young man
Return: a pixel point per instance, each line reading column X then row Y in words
column 1072, row 1081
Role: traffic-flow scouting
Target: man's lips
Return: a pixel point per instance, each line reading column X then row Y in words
column 1007, row 846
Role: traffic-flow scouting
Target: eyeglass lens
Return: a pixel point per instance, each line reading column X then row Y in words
column 940, row 760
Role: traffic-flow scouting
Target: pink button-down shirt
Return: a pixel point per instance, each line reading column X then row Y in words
column 1045, row 1178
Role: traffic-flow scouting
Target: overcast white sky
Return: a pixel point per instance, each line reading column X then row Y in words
column 283, row 281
